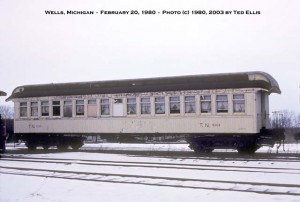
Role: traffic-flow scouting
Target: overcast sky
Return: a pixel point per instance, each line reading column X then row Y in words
column 37, row 48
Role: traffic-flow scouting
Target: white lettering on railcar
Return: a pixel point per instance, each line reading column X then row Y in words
column 208, row 125
column 34, row 125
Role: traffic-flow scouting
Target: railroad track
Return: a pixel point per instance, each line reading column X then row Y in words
column 153, row 180
column 140, row 164
column 216, row 155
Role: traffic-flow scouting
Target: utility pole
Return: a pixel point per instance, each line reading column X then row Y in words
column 2, row 130
column 2, row 136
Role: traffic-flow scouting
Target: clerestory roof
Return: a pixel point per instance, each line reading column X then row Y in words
column 175, row 83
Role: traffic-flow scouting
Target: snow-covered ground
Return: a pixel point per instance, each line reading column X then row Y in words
column 92, row 176
column 286, row 148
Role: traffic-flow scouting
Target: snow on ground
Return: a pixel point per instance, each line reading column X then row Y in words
column 286, row 148
column 33, row 189
column 282, row 170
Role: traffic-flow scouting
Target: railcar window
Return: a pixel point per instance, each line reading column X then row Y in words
column 239, row 103
column 45, row 108
column 79, row 107
column 105, row 109
column 118, row 101
column 131, row 106
column 205, row 102
column 189, row 104
column 34, row 109
column 145, row 105
column 222, row 103
column 92, row 102
column 23, row 109
column 175, row 105
column 68, row 108
column 160, row 106
column 56, row 108
column 92, row 108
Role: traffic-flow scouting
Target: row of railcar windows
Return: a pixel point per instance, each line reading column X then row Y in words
column 145, row 106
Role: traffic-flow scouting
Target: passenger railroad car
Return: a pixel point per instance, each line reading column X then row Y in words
column 208, row 111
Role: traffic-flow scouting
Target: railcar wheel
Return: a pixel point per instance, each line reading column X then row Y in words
column 76, row 146
column 46, row 147
column 247, row 149
column 202, row 151
column 208, row 150
column 76, row 143
column 62, row 147
column 31, row 146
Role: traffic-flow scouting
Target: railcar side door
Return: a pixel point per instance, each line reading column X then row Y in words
column 118, row 107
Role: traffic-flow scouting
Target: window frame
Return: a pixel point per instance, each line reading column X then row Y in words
column 36, row 107
column 161, row 103
column 56, row 106
column 176, row 102
column 237, row 100
column 89, row 105
column 23, row 107
column 102, row 104
column 78, row 106
column 204, row 100
column 146, row 104
column 131, row 105
column 43, row 106
column 225, row 110
column 65, row 109
column 190, row 101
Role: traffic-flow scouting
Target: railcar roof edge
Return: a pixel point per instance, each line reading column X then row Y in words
column 256, row 79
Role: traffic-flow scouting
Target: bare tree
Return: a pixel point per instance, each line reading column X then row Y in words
column 297, row 120
column 6, row 111
column 284, row 119
column 288, row 118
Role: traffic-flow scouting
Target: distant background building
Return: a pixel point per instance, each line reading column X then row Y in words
column 2, row 93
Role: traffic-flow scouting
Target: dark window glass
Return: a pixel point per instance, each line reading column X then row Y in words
column 222, row 103
column 45, row 108
column 205, row 102
column 238, row 103
column 118, row 100
column 56, row 108
column 145, row 105
column 131, row 106
column 68, row 108
column 79, row 107
column 189, row 104
column 174, row 105
column 160, row 106
column 23, row 109
column 34, row 109
column 105, row 110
